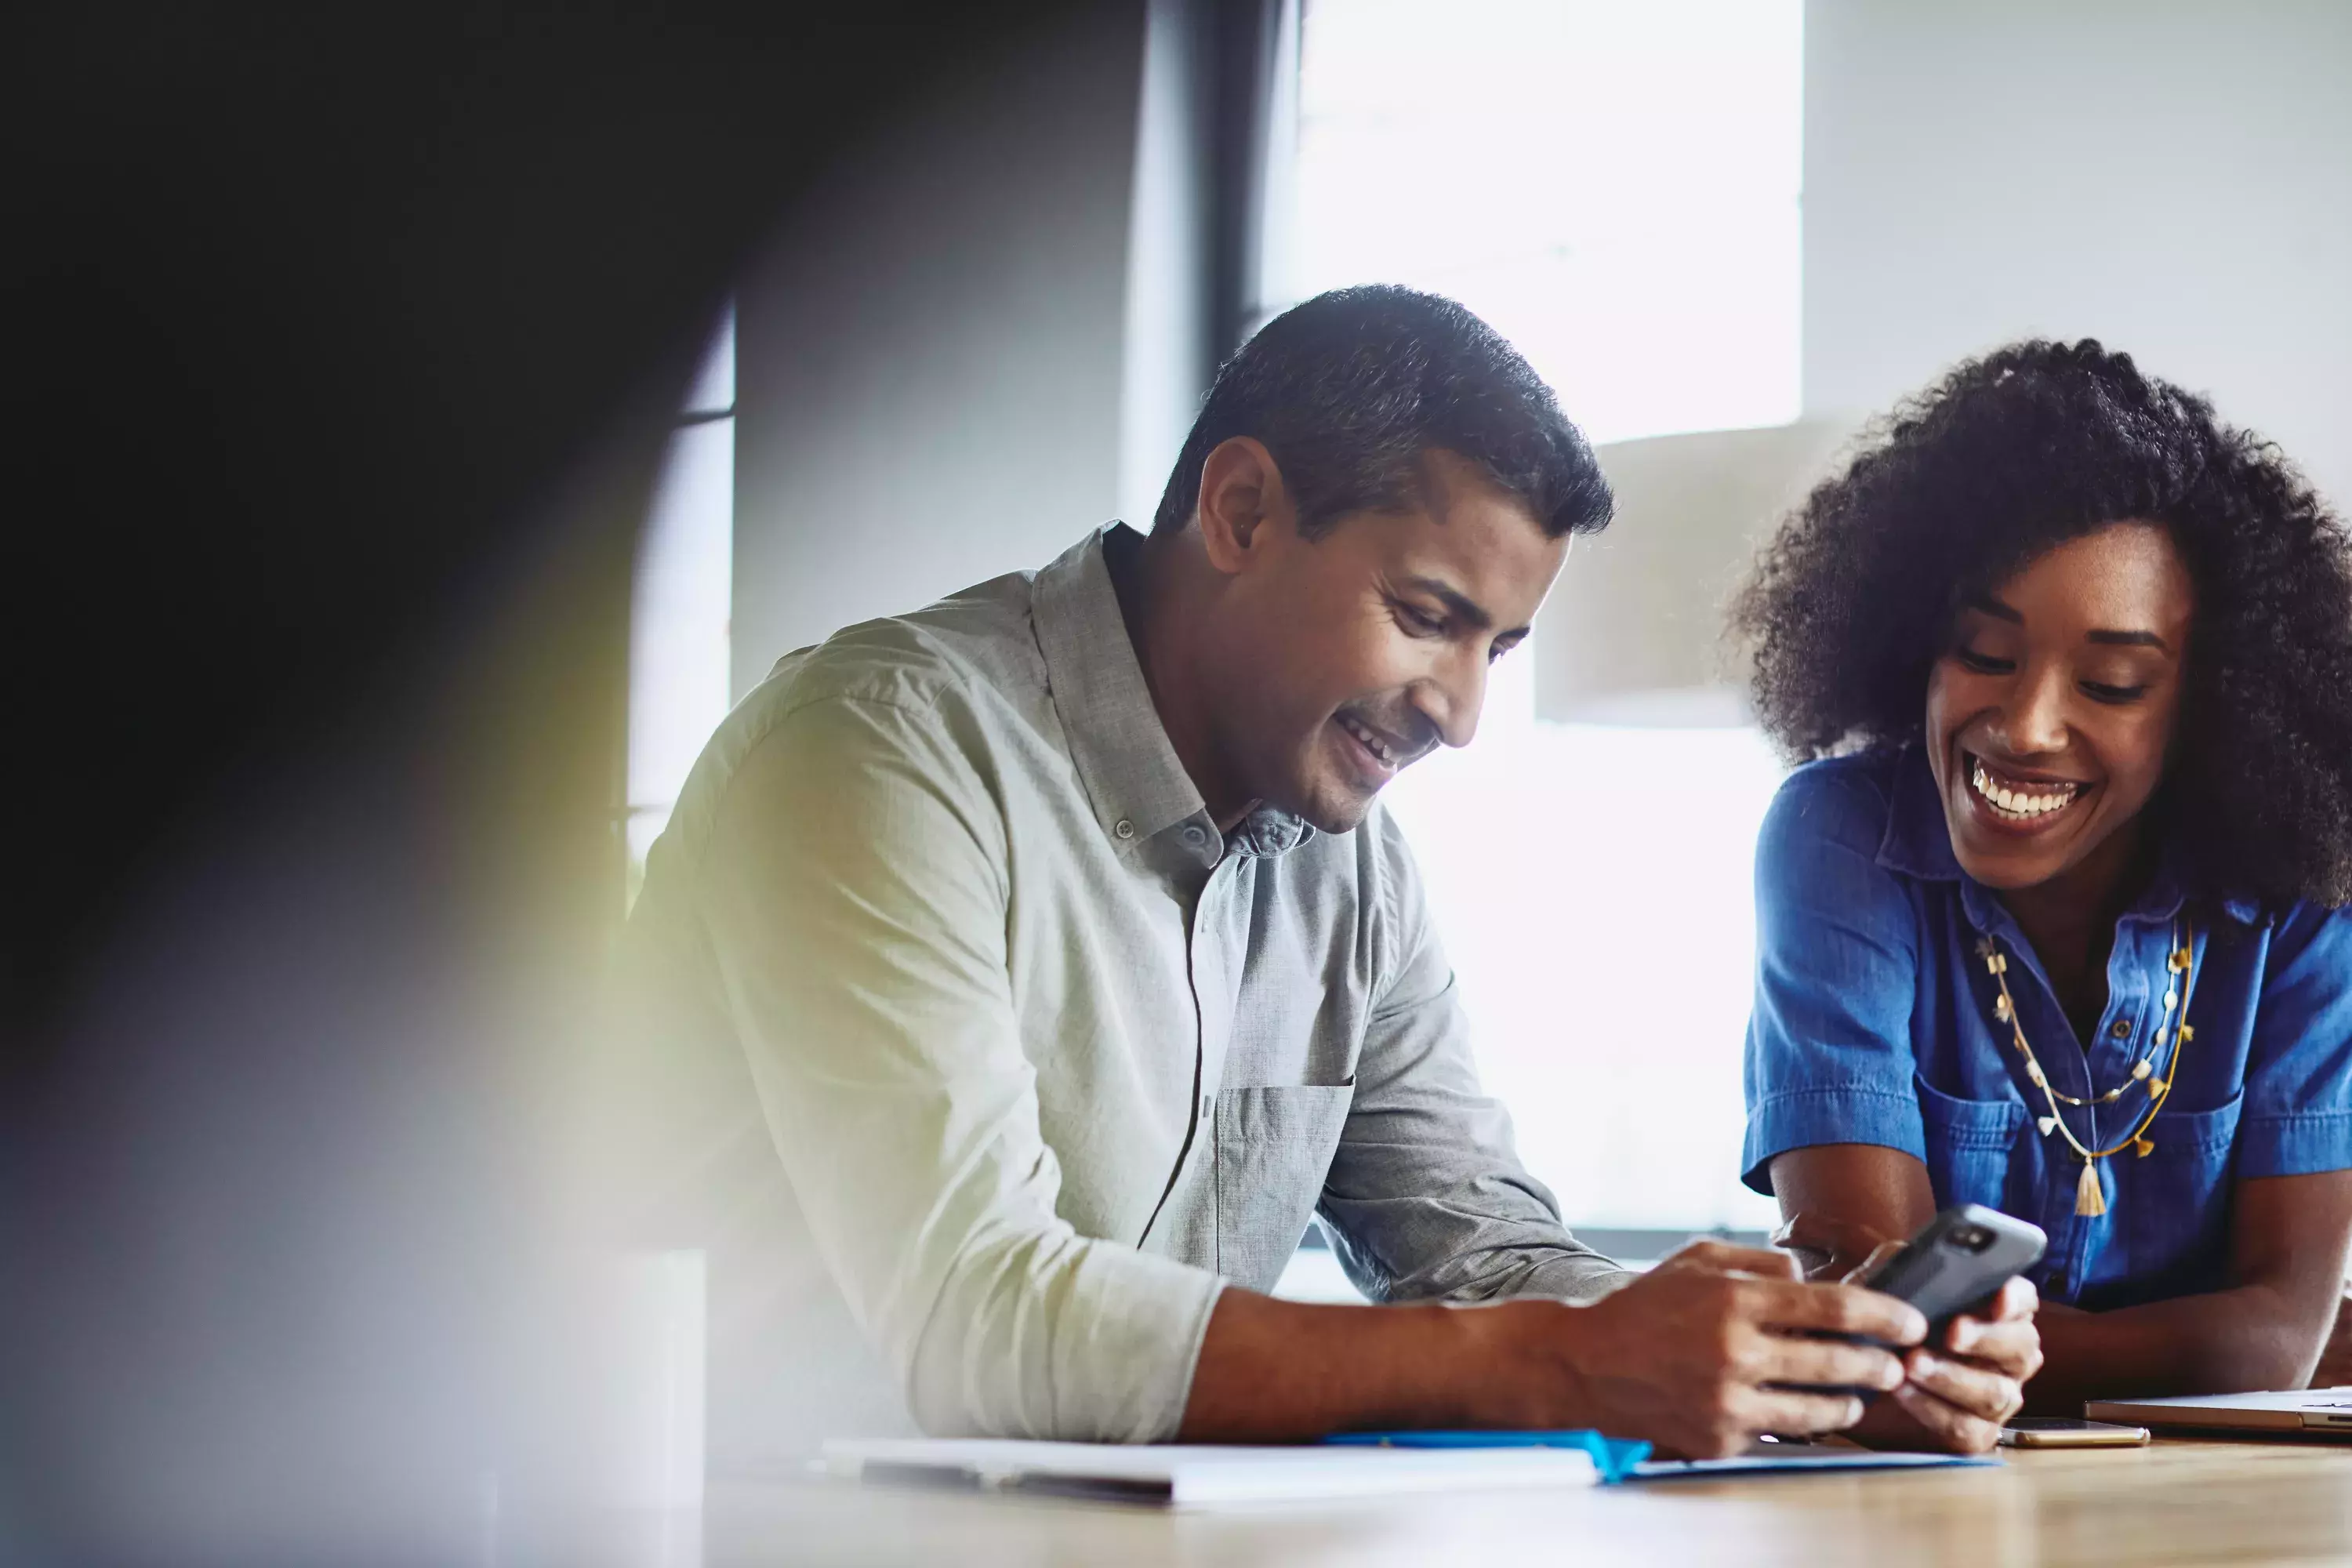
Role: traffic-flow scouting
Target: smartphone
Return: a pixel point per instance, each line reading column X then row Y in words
column 2069, row 1432
column 1957, row 1262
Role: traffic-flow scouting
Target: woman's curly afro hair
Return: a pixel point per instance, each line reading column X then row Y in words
column 2028, row 447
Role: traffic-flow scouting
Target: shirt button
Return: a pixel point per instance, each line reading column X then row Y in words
column 2121, row 1029
column 1125, row 829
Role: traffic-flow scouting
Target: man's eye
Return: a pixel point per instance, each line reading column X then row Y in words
column 2099, row 692
column 1420, row 623
column 1984, row 664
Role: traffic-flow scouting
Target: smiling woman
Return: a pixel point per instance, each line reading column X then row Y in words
column 2048, row 726
column 2073, row 663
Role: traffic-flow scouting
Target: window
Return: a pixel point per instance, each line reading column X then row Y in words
column 1593, row 885
column 680, row 603
column 1616, row 189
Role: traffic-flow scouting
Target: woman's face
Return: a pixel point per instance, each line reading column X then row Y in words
column 2050, row 712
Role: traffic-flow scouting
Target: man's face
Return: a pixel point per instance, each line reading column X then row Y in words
column 1343, row 659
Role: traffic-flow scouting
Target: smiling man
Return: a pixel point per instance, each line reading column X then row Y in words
column 1075, row 969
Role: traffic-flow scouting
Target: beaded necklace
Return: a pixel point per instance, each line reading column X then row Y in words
column 2090, row 1200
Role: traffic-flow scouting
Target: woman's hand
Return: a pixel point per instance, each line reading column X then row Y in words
column 1956, row 1394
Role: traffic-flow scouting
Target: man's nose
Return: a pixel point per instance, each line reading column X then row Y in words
column 2034, row 718
column 1451, row 697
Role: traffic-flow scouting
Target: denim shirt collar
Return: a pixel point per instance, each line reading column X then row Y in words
column 1919, row 844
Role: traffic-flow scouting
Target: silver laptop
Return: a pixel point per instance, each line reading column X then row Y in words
column 2302, row 1412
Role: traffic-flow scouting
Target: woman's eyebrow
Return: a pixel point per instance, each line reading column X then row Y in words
column 1986, row 604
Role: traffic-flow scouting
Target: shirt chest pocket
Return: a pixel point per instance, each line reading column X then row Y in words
column 1968, row 1147
column 2174, row 1200
column 1273, row 1149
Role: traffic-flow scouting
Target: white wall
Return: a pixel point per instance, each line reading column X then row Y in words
column 930, row 365
column 2173, row 179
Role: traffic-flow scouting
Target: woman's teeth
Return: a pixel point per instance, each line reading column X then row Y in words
column 2022, row 803
column 1371, row 743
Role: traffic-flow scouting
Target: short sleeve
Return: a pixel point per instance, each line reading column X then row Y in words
column 1829, row 1041
column 2298, row 1115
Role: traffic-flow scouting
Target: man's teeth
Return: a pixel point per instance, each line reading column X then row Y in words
column 2021, row 803
column 1372, row 742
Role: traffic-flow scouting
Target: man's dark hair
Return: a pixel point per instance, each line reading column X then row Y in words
column 2032, row 445
column 1351, row 389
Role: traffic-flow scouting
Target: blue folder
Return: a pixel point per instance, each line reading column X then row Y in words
column 1628, row 1460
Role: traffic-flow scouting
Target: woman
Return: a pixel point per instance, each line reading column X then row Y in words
column 2053, row 924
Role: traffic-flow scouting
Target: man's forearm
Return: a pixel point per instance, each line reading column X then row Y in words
column 1698, row 1355
column 1274, row 1372
column 2250, row 1337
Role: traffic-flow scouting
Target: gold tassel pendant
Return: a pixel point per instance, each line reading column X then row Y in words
column 2090, row 1199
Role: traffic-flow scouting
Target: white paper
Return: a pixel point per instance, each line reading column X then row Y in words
column 1203, row 1475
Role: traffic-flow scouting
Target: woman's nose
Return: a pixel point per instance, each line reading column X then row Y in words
column 2035, row 718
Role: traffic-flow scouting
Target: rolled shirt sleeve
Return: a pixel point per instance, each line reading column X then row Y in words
column 2299, row 1116
column 1829, row 1057
column 1425, row 1195
column 855, row 905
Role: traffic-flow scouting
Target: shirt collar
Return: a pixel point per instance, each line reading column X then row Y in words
column 1918, row 843
column 1132, row 777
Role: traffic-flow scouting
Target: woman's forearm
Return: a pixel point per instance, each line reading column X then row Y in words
column 2248, row 1337
column 2287, row 1243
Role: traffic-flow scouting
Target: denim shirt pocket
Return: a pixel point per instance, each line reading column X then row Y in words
column 2174, row 1200
column 1275, row 1146
column 1969, row 1144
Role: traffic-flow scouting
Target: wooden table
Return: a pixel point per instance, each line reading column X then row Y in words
column 2175, row 1502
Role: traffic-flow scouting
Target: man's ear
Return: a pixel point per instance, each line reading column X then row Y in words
column 1241, row 497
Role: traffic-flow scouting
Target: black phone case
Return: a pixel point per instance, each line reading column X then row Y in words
column 1943, row 1280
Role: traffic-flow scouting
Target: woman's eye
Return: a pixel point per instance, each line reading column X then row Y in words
column 1984, row 664
column 2099, row 692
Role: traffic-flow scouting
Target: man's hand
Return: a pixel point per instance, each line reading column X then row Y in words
column 1956, row 1394
column 1711, row 1348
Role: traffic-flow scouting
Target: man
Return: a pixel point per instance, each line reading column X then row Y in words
column 1075, row 969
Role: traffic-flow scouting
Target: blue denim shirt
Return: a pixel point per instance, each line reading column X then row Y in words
column 1874, row 1023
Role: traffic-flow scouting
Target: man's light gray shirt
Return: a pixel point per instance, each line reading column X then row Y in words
column 1043, row 1058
